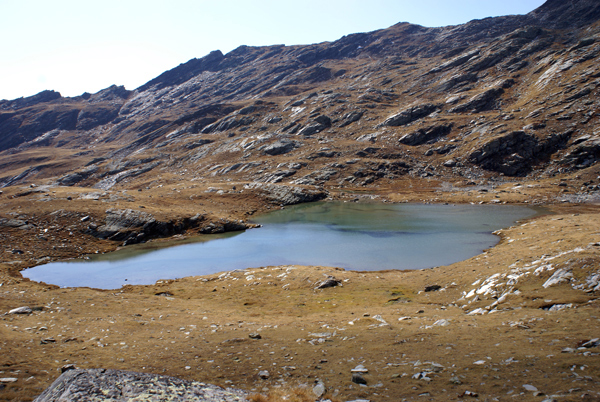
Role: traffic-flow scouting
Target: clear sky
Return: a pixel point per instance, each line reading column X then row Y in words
column 76, row 46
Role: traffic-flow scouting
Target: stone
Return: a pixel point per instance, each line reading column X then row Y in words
column 319, row 389
column 530, row 388
column 104, row 384
column 432, row 288
column 264, row 374
column 357, row 378
column 359, row 369
column 254, row 335
column 330, row 282
column 8, row 380
column 441, row 323
column 21, row 310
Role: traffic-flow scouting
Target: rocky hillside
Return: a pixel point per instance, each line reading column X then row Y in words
column 504, row 97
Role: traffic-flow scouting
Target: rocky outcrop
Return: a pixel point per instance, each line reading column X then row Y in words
column 73, row 178
column 41, row 97
column 96, row 385
column 515, row 153
column 427, row 134
column 585, row 153
column 409, row 115
column 480, row 102
column 131, row 226
column 280, row 147
column 287, row 195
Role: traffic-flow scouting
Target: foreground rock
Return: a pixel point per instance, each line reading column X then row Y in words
column 116, row 385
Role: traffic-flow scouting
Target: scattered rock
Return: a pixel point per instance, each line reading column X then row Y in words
column 432, row 288
column 255, row 335
column 264, row 374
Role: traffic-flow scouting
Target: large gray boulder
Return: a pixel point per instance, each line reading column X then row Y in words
column 115, row 385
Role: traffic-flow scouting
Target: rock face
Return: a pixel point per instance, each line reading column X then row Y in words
column 114, row 385
column 513, row 154
column 131, row 226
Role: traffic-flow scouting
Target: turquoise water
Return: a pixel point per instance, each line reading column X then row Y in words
column 355, row 236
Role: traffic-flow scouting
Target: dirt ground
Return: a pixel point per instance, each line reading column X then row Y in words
column 513, row 323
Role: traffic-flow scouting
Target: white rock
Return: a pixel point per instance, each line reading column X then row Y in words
column 479, row 362
column 21, row 310
column 562, row 275
column 530, row 388
column 478, row 311
column 441, row 323
column 319, row 389
column 359, row 369
column 7, row 380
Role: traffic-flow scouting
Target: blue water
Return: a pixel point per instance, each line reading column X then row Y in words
column 365, row 237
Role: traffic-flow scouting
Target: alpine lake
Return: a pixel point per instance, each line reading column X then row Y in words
column 354, row 236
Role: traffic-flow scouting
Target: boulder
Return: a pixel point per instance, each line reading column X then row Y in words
column 115, row 385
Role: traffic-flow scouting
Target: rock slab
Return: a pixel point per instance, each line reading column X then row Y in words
column 115, row 385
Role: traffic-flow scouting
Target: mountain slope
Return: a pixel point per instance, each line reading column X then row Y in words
column 506, row 96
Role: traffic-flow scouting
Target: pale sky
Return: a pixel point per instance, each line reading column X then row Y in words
column 76, row 46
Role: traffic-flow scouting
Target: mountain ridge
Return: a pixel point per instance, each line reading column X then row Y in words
column 220, row 101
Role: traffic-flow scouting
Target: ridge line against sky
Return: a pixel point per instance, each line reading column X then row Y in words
column 75, row 46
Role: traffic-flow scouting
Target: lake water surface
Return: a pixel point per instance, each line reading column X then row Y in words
column 355, row 236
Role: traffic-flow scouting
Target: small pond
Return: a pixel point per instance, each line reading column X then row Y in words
column 355, row 236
